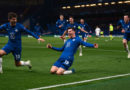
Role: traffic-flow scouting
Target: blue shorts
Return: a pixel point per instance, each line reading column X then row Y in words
column 16, row 51
column 63, row 63
column 127, row 35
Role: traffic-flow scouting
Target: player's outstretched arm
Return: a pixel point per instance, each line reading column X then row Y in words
column 81, row 29
column 88, row 44
column 31, row 33
column 54, row 48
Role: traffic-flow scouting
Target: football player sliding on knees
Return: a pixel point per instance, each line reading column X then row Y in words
column 62, row 65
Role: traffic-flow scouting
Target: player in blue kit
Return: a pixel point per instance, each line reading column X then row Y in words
column 13, row 46
column 74, row 25
column 85, row 27
column 125, row 25
column 66, row 59
column 61, row 24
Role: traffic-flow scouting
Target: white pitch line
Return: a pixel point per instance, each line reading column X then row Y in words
column 79, row 82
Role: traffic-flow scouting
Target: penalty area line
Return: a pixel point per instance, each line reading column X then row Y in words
column 79, row 82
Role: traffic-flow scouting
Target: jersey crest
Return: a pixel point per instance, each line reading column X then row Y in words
column 73, row 40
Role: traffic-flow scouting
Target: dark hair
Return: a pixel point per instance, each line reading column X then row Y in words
column 81, row 18
column 71, row 28
column 11, row 15
column 71, row 17
column 61, row 15
column 126, row 14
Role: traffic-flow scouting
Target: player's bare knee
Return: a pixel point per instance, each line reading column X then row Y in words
column 52, row 71
column 2, row 53
column 124, row 41
column 59, row 73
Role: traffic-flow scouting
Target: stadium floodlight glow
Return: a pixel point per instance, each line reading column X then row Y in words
column 77, row 6
column 120, row 2
column 92, row 5
column 127, row 2
column 64, row 7
column 99, row 4
column 68, row 7
column 113, row 3
column 87, row 5
column 106, row 3
column 82, row 5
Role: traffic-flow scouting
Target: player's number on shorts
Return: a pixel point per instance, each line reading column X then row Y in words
column 17, row 56
column 66, row 62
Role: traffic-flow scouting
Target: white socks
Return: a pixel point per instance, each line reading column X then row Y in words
column 25, row 63
column 68, row 72
column 1, row 71
column 80, row 50
column 127, row 48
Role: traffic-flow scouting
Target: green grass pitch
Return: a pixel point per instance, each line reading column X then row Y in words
column 109, row 59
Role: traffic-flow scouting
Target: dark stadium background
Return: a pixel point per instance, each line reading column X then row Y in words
column 46, row 12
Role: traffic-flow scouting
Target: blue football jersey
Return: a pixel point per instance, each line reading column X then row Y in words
column 85, row 27
column 60, row 22
column 14, row 33
column 125, row 26
column 71, row 46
